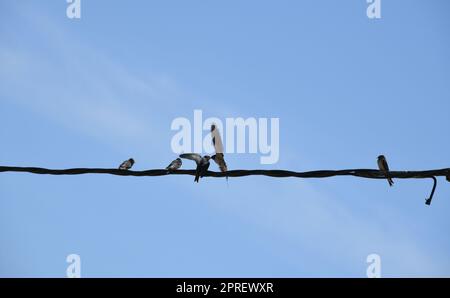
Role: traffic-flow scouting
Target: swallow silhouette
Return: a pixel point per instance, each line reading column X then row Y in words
column 174, row 165
column 127, row 164
column 218, row 147
column 202, row 164
column 384, row 167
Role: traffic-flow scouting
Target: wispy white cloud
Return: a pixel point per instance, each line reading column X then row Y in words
column 81, row 87
column 327, row 229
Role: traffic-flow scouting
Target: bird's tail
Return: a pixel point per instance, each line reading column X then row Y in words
column 197, row 176
column 388, row 177
column 390, row 181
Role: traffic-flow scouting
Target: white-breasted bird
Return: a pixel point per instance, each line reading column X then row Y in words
column 127, row 164
column 202, row 163
column 174, row 165
column 218, row 147
column 384, row 167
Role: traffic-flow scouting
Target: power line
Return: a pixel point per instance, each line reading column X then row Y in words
column 361, row 173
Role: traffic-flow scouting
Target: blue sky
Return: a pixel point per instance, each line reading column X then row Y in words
column 95, row 91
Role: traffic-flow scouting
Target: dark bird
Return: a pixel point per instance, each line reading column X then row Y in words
column 174, row 165
column 218, row 147
column 220, row 161
column 202, row 163
column 448, row 178
column 127, row 164
column 383, row 166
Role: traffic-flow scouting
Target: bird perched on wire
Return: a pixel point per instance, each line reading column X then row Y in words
column 174, row 165
column 218, row 147
column 202, row 163
column 384, row 167
column 127, row 164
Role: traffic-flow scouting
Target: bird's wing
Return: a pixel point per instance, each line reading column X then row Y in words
column 192, row 156
column 381, row 165
column 123, row 164
column 170, row 165
column 220, row 161
column 216, row 139
column 385, row 165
